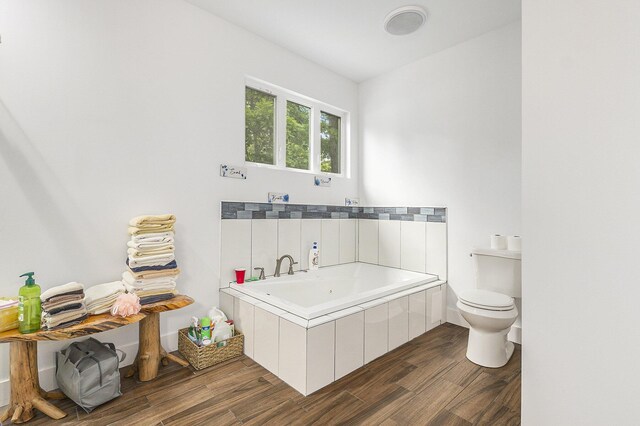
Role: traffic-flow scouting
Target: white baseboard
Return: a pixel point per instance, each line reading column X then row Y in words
column 454, row 317
column 48, row 374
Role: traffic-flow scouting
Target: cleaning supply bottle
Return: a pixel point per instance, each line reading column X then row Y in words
column 205, row 322
column 29, row 308
column 314, row 257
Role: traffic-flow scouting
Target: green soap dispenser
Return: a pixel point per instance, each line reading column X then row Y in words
column 29, row 305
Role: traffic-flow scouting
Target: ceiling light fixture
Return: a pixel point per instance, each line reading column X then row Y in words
column 405, row 20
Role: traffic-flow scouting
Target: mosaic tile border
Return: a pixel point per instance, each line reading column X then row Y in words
column 242, row 210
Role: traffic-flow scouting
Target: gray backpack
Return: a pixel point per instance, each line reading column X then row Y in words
column 87, row 372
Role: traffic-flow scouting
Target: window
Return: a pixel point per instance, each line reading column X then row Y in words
column 260, row 126
column 287, row 130
column 298, row 136
column 330, row 145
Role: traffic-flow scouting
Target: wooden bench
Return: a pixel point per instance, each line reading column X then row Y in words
column 26, row 393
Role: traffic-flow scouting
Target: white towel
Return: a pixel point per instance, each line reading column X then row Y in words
column 130, row 280
column 155, row 237
column 152, row 288
column 160, row 260
column 95, row 293
column 150, row 245
column 142, row 253
column 61, row 289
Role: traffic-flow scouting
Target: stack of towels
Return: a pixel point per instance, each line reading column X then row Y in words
column 100, row 298
column 63, row 306
column 152, row 268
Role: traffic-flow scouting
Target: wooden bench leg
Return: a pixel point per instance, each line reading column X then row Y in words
column 26, row 393
column 150, row 352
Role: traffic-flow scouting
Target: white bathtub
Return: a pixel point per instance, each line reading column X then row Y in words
column 315, row 293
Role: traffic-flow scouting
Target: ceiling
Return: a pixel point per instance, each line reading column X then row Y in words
column 347, row 36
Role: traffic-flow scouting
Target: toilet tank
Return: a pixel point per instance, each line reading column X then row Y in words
column 498, row 270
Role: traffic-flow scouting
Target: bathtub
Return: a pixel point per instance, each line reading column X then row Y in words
column 312, row 294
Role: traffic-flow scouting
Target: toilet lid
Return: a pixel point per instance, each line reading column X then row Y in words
column 485, row 299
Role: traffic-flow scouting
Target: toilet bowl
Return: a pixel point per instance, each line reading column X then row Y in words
column 490, row 316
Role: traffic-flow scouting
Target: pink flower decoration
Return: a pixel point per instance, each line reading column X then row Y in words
column 126, row 304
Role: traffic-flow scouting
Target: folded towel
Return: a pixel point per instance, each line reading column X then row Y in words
column 69, row 288
column 146, row 219
column 65, row 308
column 155, row 274
column 103, row 305
column 153, row 299
column 147, row 293
column 151, row 245
column 141, row 253
column 4, row 304
column 136, row 269
column 62, row 301
column 159, row 260
column 53, row 320
column 149, row 229
column 151, row 290
column 103, row 291
column 153, row 237
column 107, row 299
column 66, row 324
column 132, row 281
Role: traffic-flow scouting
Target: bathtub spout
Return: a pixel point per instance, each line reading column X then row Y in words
column 279, row 264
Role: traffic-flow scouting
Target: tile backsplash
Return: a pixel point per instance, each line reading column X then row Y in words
column 243, row 210
column 255, row 234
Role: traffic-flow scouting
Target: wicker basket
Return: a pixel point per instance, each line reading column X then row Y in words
column 206, row 356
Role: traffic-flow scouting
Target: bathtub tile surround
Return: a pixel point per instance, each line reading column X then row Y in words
column 310, row 232
column 264, row 245
column 389, row 244
column 243, row 210
column 330, row 242
column 289, row 239
column 310, row 354
column 368, row 241
column 348, row 240
column 413, row 249
column 414, row 245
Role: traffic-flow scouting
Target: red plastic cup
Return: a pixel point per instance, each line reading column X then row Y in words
column 240, row 275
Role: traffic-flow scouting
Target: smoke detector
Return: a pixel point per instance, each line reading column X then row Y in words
column 405, row 20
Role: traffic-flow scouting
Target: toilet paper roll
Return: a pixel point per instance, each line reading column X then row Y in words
column 498, row 242
column 514, row 243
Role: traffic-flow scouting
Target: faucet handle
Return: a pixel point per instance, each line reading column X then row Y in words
column 261, row 277
column 291, row 267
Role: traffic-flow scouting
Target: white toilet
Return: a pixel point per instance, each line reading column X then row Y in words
column 490, row 309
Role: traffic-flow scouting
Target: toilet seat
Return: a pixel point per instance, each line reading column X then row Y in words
column 485, row 299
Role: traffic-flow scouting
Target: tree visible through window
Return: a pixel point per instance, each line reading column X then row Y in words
column 330, row 143
column 288, row 130
column 298, row 135
column 260, row 113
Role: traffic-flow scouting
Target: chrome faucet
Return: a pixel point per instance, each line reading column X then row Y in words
column 261, row 277
column 279, row 264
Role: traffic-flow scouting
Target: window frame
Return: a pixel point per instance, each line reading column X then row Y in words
column 280, row 143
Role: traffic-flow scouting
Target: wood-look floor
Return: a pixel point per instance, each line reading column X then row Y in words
column 427, row 381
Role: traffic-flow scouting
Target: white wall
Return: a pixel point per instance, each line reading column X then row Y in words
column 111, row 109
column 445, row 130
column 581, row 205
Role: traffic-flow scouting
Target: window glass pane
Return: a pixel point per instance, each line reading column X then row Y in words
column 330, row 142
column 260, row 119
column 298, row 135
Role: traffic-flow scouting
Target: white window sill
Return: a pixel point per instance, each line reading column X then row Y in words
column 288, row 169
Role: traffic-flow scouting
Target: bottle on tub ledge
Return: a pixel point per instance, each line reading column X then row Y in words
column 314, row 257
